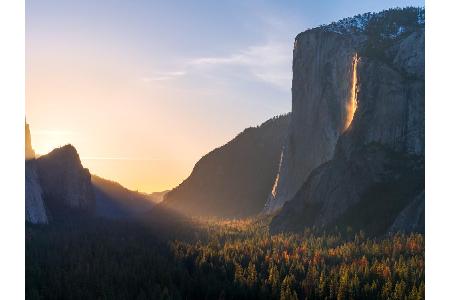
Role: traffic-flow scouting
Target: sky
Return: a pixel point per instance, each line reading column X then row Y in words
column 144, row 89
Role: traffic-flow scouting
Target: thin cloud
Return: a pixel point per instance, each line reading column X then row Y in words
column 162, row 76
column 269, row 63
column 270, row 54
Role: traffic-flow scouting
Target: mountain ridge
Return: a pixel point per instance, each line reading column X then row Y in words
column 233, row 180
column 116, row 201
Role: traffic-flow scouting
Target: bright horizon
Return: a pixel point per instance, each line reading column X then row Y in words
column 143, row 90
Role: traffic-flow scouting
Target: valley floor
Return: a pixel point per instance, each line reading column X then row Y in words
column 217, row 260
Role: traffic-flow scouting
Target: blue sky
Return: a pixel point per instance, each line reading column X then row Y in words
column 164, row 75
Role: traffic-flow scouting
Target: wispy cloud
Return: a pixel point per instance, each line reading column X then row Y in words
column 269, row 54
column 162, row 76
column 269, row 63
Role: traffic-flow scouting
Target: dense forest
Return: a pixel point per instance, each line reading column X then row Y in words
column 211, row 259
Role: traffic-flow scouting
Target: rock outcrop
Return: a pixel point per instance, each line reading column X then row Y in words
column 234, row 180
column 65, row 184
column 29, row 152
column 368, row 174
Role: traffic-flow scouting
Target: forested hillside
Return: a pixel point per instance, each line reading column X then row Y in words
column 233, row 180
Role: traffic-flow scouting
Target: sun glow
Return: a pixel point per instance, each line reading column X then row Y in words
column 352, row 103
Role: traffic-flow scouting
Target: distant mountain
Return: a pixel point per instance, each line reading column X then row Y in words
column 115, row 201
column 233, row 180
column 354, row 155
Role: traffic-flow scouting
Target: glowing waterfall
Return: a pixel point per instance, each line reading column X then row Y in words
column 275, row 185
column 352, row 104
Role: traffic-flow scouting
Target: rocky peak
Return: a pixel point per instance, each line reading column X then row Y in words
column 65, row 183
column 29, row 152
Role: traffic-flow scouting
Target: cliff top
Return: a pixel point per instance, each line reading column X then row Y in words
column 389, row 23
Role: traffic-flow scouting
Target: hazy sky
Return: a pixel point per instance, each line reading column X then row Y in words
column 143, row 89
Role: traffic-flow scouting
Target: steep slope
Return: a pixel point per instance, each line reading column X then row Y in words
column 235, row 179
column 376, row 167
column 66, row 185
column 115, row 201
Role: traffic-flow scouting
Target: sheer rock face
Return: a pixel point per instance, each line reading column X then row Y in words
column 66, row 185
column 368, row 175
column 35, row 211
column 321, row 88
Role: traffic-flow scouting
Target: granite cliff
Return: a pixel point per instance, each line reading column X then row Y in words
column 354, row 155
column 321, row 87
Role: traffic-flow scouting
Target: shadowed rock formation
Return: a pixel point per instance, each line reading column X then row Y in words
column 65, row 184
